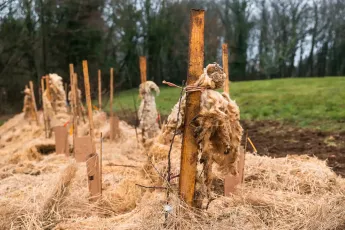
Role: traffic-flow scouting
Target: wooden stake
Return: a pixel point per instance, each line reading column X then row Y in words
column 44, row 114
column 111, row 119
column 100, row 161
column 189, row 154
column 99, row 90
column 49, row 99
column 71, row 75
column 225, row 58
column 79, row 105
column 34, row 102
column 48, row 87
column 74, row 109
column 66, row 92
column 111, row 91
column 88, row 102
column 143, row 70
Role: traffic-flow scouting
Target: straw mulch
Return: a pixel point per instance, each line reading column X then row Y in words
column 49, row 191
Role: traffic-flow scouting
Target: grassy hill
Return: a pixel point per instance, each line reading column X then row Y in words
column 317, row 103
column 307, row 102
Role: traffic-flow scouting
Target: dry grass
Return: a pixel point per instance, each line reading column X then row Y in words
column 295, row 192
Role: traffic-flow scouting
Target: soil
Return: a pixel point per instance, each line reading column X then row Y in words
column 275, row 139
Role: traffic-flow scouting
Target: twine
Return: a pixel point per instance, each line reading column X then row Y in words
column 187, row 89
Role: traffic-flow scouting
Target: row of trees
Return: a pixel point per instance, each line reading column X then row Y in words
column 267, row 38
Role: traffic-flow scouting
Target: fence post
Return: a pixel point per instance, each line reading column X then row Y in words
column 34, row 102
column 189, row 153
column 225, row 60
column 99, row 90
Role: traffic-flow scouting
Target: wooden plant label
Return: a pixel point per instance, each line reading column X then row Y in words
column 93, row 176
column 61, row 140
column 114, row 127
column 82, row 148
column 231, row 181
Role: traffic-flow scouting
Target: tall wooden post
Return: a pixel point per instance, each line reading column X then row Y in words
column 44, row 113
column 66, row 91
column 78, row 106
column 111, row 104
column 92, row 163
column 225, row 60
column 48, row 87
column 88, row 102
column 49, row 99
column 143, row 70
column 74, row 110
column 99, row 90
column 111, row 91
column 189, row 154
column 34, row 102
column 100, row 161
column 71, row 74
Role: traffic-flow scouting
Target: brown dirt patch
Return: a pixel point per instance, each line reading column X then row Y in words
column 278, row 140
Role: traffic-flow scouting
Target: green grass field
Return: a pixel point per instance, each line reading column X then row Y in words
column 307, row 102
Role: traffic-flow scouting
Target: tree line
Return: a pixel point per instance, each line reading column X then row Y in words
column 267, row 39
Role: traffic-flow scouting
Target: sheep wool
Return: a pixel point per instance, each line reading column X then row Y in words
column 217, row 128
column 55, row 103
column 28, row 108
column 147, row 112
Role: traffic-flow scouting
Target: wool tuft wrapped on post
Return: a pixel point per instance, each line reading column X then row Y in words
column 147, row 112
column 217, row 128
column 79, row 107
column 55, row 103
column 28, row 108
column 70, row 97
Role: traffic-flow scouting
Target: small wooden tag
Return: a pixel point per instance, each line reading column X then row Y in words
column 231, row 181
column 93, row 176
column 61, row 140
column 83, row 148
column 114, row 127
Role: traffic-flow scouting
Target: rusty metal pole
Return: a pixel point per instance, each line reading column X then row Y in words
column 143, row 68
column 225, row 60
column 89, row 103
column 34, row 102
column 189, row 153
column 99, row 90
